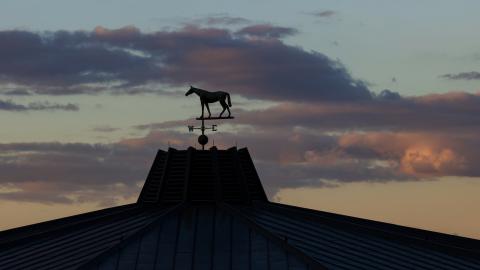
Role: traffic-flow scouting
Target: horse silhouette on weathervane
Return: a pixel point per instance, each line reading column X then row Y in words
column 211, row 97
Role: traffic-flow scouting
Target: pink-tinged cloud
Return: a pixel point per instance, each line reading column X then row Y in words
column 427, row 161
column 417, row 154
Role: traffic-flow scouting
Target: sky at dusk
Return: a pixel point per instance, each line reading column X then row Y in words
column 365, row 108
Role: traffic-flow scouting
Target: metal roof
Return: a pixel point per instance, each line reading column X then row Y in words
column 201, row 237
column 207, row 210
column 338, row 242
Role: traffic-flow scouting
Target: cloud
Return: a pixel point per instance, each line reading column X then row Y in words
column 252, row 62
column 164, row 124
column 67, row 173
column 450, row 112
column 292, row 158
column 73, row 172
column 267, row 31
column 222, row 19
column 8, row 105
column 472, row 75
column 17, row 92
column 323, row 14
column 105, row 128
column 418, row 154
column 53, row 172
column 389, row 95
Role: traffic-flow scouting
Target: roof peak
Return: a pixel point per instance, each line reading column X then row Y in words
column 198, row 176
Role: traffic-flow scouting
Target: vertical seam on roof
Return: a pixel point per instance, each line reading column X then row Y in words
column 268, row 253
column 195, row 230
column 177, row 234
column 287, row 257
column 249, row 248
column 140, row 240
column 231, row 240
column 160, row 230
column 212, row 247
column 117, row 261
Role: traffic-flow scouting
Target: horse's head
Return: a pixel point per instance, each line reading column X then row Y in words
column 190, row 91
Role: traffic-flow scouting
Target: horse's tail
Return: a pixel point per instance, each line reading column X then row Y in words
column 228, row 99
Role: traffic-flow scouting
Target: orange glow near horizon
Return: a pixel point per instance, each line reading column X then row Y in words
column 449, row 205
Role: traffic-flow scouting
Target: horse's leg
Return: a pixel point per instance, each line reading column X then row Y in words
column 228, row 109
column 224, row 106
column 208, row 109
column 203, row 104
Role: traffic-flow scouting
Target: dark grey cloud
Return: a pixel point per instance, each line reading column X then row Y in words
column 266, row 31
column 451, row 112
column 276, row 176
column 387, row 94
column 59, row 61
column 8, row 105
column 252, row 62
column 73, row 172
column 222, row 19
column 78, row 172
column 105, row 128
column 17, row 92
column 472, row 75
column 454, row 112
column 323, row 13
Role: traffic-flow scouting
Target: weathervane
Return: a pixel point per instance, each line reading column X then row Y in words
column 205, row 98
